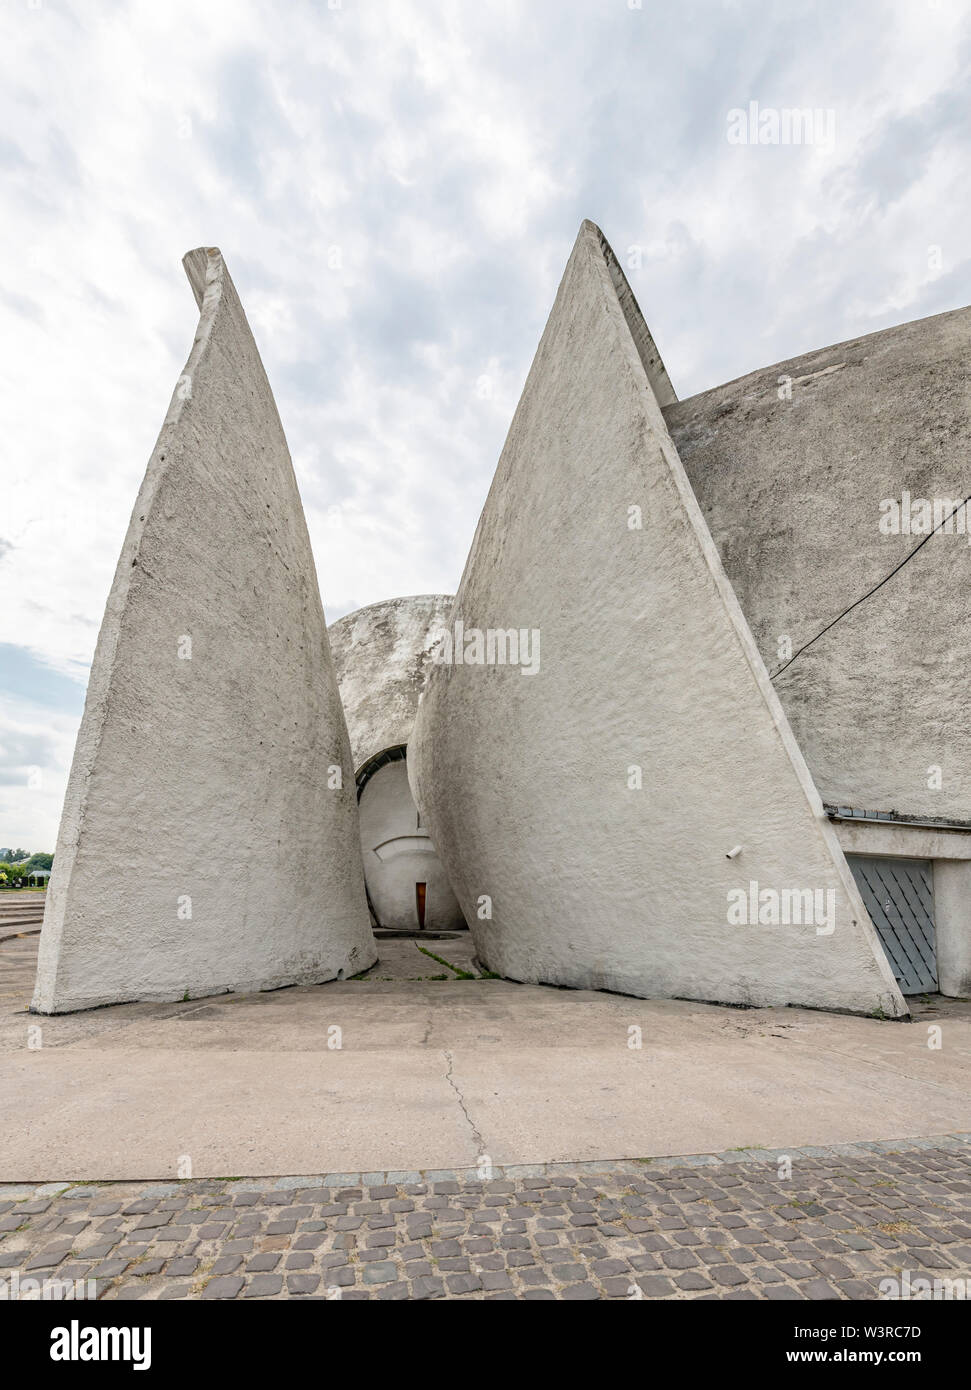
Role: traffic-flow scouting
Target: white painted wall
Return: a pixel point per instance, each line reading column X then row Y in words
column 202, row 846
column 952, row 926
column 398, row 853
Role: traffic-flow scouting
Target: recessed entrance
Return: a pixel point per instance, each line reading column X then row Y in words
column 407, row 886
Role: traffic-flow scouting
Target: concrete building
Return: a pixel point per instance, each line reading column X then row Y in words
column 381, row 656
column 822, row 480
column 212, row 729
column 695, row 723
column 639, row 814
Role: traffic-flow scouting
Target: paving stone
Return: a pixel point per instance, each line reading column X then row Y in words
column 108, row 1269
column 819, row 1289
column 47, row 1259
column 463, row 1283
column 426, row 1287
column 692, row 1280
column 264, row 1286
column 678, row 1259
column 654, row 1286
column 223, row 1287
column 158, row 1218
column 302, row 1283
column 730, row 1230
column 260, row 1264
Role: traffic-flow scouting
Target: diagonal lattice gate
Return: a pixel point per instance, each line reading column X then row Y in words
column 899, row 896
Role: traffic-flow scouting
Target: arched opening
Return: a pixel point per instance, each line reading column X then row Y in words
column 407, row 886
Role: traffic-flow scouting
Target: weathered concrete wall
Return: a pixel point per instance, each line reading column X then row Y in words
column 200, row 776
column 399, row 854
column 380, row 655
column 646, row 662
column 791, row 489
column 952, row 921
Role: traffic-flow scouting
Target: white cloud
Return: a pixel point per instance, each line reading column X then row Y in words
column 35, row 753
column 449, row 151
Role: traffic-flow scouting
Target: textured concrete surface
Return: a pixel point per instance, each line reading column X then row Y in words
column 380, row 655
column 791, row 489
column 204, row 844
column 568, row 868
column 805, row 1225
column 434, row 1073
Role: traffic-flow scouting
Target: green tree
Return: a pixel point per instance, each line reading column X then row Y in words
column 40, row 860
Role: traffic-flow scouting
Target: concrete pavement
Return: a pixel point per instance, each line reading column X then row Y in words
column 397, row 1072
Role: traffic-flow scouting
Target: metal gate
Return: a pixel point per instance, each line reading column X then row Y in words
column 899, row 896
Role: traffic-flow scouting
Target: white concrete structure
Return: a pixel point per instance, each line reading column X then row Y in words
column 822, row 479
column 213, row 732
column 696, row 723
column 795, row 467
column 632, row 811
column 407, row 884
column 381, row 656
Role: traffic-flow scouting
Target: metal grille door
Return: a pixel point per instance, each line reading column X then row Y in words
column 899, row 896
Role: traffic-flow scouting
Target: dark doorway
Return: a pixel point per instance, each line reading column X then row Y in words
column 420, row 904
column 899, row 896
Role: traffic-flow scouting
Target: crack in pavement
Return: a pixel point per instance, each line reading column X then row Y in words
column 476, row 1136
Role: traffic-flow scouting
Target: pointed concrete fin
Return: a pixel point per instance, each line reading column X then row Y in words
column 197, row 264
column 654, row 367
column 204, row 844
column 589, row 803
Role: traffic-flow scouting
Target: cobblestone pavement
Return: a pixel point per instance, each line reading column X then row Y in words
column 710, row 1226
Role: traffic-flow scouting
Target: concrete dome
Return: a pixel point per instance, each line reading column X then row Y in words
column 380, row 657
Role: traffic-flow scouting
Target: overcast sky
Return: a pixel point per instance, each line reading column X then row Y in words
column 396, row 187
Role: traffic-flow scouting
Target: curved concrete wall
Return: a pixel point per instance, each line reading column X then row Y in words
column 204, row 845
column 398, row 855
column 586, row 812
column 381, row 656
column 791, row 478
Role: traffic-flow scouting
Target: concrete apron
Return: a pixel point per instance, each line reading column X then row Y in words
column 435, row 1074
